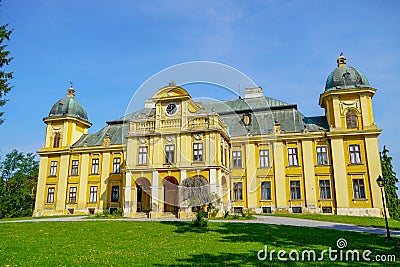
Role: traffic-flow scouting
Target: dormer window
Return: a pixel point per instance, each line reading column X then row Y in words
column 351, row 119
column 246, row 119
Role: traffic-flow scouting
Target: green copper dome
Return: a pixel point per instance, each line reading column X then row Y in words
column 68, row 106
column 345, row 77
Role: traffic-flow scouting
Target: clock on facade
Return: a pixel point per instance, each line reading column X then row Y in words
column 171, row 109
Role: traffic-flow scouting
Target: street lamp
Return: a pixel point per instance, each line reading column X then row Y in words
column 381, row 183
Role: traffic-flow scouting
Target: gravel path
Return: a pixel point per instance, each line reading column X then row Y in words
column 260, row 219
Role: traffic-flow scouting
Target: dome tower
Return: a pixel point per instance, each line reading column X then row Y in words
column 67, row 122
column 347, row 98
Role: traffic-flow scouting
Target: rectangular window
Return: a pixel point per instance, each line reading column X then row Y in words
column 295, row 190
column 95, row 166
column 53, row 168
column 142, row 160
column 50, row 195
column 117, row 165
column 93, row 194
column 222, row 156
column 74, row 168
column 266, row 210
column 237, row 159
column 324, row 189
column 297, row 210
column 72, row 195
column 169, row 154
column 292, row 154
column 322, row 155
column 115, row 193
column 266, row 190
column 198, row 152
column 237, row 191
column 358, row 188
column 355, row 155
column 264, row 158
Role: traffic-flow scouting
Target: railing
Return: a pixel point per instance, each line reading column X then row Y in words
column 201, row 122
column 205, row 122
column 171, row 123
column 143, row 125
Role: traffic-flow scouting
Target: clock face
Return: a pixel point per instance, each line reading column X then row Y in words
column 171, row 109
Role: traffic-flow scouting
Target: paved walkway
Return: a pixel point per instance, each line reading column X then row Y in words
column 260, row 219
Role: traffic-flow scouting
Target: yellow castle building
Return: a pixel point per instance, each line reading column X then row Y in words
column 253, row 153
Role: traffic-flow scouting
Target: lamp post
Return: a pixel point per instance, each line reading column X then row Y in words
column 381, row 183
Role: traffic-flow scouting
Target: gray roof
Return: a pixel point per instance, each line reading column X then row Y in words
column 264, row 112
column 115, row 132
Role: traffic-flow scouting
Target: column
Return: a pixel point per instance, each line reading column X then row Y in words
column 213, row 181
column 154, row 190
column 365, row 111
column 182, row 206
column 339, row 171
column 374, row 169
column 127, row 202
column 280, row 179
column 62, row 183
column 251, row 170
column 41, row 186
column 105, row 171
column 309, row 175
column 83, row 178
column 336, row 111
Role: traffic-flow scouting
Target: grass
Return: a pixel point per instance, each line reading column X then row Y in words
column 357, row 220
column 127, row 243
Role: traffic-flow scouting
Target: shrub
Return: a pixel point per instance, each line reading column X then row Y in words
column 117, row 213
column 226, row 213
column 106, row 213
column 200, row 220
column 248, row 215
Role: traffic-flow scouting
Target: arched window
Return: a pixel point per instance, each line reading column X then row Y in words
column 56, row 142
column 351, row 119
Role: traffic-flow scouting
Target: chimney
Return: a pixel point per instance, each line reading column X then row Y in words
column 253, row 93
column 149, row 104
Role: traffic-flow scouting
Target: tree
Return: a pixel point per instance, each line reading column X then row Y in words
column 18, row 179
column 5, row 60
column 389, row 175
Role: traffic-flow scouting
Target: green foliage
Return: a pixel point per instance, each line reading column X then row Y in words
column 117, row 213
column 200, row 220
column 389, row 175
column 5, row 60
column 247, row 214
column 226, row 213
column 106, row 213
column 18, row 179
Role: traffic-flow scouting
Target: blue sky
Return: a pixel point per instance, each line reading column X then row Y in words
column 109, row 48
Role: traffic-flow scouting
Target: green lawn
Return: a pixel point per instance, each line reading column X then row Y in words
column 127, row 243
column 357, row 220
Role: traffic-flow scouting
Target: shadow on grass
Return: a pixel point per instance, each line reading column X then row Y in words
column 280, row 237
column 226, row 259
